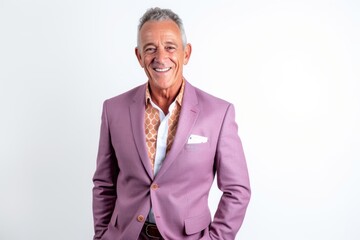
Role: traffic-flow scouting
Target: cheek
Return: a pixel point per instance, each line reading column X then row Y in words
column 175, row 59
column 146, row 61
column 180, row 58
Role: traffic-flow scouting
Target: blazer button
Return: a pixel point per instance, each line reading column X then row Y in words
column 140, row 218
column 154, row 186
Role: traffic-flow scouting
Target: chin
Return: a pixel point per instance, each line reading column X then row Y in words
column 163, row 83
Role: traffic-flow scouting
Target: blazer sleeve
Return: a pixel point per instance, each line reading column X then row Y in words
column 232, row 180
column 104, row 179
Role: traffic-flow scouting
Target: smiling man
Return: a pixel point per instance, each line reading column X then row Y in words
column 161, row 145
column 162, row 54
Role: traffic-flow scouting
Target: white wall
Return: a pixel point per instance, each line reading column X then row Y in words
column 290, row 67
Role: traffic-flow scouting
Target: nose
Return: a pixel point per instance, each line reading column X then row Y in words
column 160, row 55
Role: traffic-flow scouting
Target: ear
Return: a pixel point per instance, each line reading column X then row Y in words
column 187, row 51
column 138, row 56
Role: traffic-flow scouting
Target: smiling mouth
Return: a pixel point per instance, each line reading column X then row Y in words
column 162, row 69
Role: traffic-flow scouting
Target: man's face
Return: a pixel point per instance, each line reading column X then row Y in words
column 161, row 53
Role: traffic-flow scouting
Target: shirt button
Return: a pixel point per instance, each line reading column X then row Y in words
column 140, row 218
column 154, row 186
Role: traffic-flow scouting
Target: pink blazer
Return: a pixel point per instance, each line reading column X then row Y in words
column 124, row 185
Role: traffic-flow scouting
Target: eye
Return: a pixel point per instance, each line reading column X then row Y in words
column 170, row 48
column 150, row 50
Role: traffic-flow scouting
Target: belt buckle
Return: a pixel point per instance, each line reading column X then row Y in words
column 149, row 225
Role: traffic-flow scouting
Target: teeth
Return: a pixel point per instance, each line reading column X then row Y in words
column 162, row 69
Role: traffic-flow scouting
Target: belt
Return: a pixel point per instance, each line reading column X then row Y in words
column 152, row 231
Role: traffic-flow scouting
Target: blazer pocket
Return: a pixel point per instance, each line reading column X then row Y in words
column 197, row 146
column 198, row 223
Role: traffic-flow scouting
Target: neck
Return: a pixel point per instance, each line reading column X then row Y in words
column 164, row 97
column 163, row 100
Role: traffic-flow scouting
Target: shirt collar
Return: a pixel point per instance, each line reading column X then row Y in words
column 178, row 98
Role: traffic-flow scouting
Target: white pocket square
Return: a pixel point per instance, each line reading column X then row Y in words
column 195, row 139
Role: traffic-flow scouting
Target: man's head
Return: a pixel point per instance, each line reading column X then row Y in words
column 162, row 49
column 158, row 14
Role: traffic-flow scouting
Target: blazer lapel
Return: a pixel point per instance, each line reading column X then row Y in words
column 137, row 115
column 188, row 115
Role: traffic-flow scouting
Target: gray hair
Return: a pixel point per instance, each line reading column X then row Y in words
column 158, row 14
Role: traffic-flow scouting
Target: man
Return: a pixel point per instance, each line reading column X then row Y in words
column 161, row 145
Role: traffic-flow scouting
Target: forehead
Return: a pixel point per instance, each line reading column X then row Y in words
column 152, row 30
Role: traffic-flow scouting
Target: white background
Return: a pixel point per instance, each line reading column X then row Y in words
column 290, row 67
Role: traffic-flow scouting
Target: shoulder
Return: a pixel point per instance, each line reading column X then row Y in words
column 206, row 99
column 127, row 97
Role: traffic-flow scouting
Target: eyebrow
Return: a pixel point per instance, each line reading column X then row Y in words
column 166, row 43
column 171, row 43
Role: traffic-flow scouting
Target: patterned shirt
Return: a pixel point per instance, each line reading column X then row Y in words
column 153, row 118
